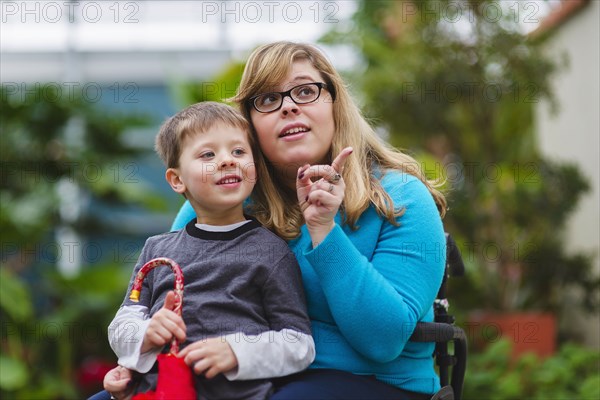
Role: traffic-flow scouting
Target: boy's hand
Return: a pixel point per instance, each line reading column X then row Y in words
column 209, row 357
column 164, row 325
column 115, row 382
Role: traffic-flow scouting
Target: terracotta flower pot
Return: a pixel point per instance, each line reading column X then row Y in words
column 527, row 331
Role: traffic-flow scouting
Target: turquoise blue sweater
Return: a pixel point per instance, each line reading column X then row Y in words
column 366, row 289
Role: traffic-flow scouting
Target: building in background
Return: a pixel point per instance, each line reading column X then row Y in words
column 130, row 57
column 572, row 134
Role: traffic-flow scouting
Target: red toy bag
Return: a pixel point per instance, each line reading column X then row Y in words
column 175, row 378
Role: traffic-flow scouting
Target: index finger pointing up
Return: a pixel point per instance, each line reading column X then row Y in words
column 340, row 160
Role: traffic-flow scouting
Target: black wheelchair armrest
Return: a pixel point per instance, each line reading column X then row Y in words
column 438, row 332
column 442, row 333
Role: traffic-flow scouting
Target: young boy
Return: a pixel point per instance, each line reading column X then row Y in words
column 244, row 314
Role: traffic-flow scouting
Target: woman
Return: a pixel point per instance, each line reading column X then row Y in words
column 365, row 226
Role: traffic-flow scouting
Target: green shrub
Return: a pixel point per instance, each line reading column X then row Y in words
column 572, row 373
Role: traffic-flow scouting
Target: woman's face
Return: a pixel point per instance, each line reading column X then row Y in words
column 296, row 134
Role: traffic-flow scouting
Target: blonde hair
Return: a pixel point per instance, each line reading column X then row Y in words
column 197, row 118
column 278, row 209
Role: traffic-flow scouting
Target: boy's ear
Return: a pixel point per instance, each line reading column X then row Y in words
column 172, row 176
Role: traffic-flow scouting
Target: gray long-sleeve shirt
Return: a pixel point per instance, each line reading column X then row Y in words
column 243, row 285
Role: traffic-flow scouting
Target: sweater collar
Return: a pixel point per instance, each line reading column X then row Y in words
column 196, row 232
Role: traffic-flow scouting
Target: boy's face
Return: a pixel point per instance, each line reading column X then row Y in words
column 216, row 172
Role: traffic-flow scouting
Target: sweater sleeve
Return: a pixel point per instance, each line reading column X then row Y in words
column 126, row 331
column 377, row 301
column 126, row 335
column 270, row 354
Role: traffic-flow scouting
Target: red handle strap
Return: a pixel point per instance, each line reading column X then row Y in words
column 139, row 279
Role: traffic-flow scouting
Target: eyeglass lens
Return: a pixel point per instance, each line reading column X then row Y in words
column 301, row 94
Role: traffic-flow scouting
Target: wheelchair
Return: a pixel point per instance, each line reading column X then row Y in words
column 443, row 330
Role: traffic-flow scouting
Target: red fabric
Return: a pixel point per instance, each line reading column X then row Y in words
column 91, row 372
column 150, row 395
column 175, row 381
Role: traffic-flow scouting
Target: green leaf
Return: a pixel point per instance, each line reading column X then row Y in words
column 13, row 373
column 590, row 389
column 14, row 298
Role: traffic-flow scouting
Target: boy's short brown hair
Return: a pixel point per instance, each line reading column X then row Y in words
column 197, row 118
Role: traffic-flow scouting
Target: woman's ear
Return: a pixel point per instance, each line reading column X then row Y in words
column 173, row 178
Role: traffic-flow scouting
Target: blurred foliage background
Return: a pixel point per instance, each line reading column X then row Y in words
column 458, row 98
column 54, row 324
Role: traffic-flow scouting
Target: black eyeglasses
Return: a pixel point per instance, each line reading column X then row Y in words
column 301, row 94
